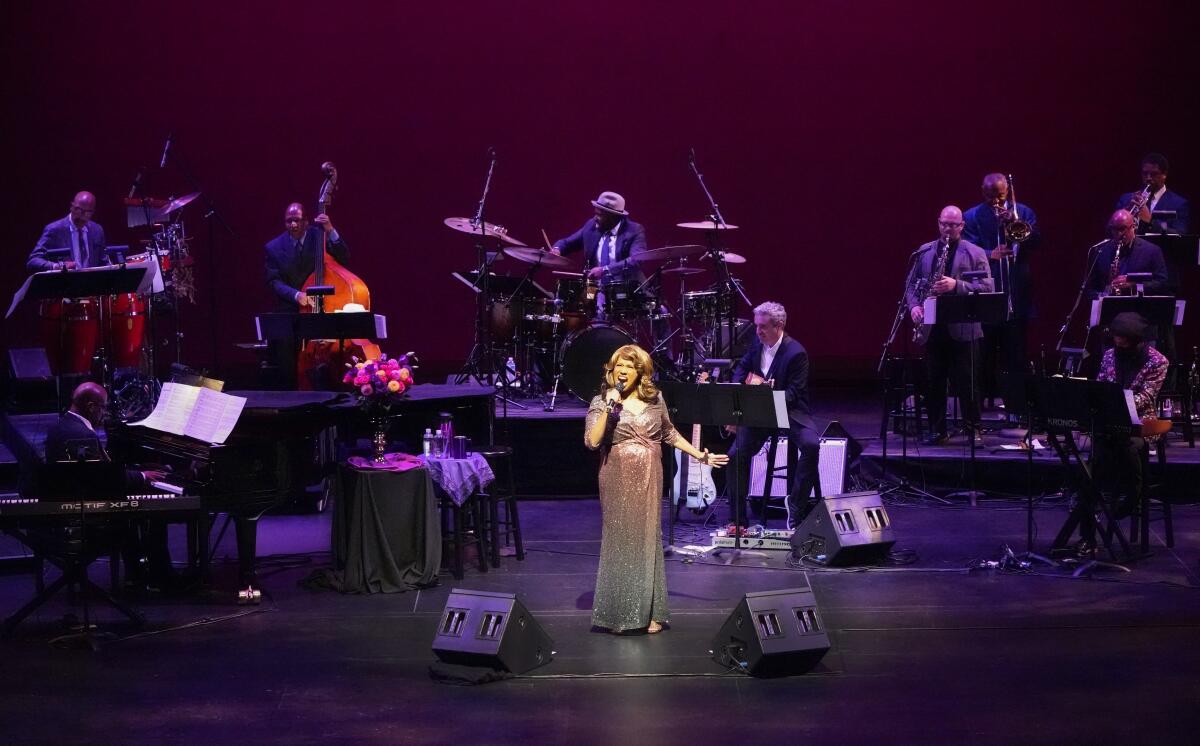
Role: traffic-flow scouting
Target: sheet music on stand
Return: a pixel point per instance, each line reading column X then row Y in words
column 197, row 412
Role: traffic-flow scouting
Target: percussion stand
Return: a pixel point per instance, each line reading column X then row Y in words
column 483, row 338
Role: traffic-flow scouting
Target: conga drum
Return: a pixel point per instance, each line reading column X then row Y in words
column 70, row 332
column 127, row 324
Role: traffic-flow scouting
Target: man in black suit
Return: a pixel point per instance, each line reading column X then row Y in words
column 74, row 438
column 779, row 361
column 76, row 232
column 1132, row 254
column 290, row 258
column 609, row 241
column 1154, row 175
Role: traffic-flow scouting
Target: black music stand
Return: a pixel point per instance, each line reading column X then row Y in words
column 74, row 484
column 287, row 326
column 89, row 282
column 741, row 405
column 970, row 308
column 1101, row 409
column 1020, row 399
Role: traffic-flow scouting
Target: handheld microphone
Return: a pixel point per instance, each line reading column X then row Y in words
column 162, row 163
column 620, row 386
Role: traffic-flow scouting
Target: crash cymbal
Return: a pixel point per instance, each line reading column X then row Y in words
column 683, row 270
column 667, row 252
column 707, row 225
column 176, row 204
column 728, row 256
column 537, row 256
column 491, row 230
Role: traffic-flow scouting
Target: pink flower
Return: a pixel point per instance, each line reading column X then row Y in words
column 393, row 375
column 366, row 390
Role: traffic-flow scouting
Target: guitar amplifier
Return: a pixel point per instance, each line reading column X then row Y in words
column 832, row 466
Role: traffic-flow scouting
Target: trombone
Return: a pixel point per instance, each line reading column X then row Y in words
column 1015, row 231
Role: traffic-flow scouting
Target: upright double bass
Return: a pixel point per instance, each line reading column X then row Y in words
column 321, row 361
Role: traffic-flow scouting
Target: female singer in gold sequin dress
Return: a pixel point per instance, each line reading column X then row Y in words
column 629, row 421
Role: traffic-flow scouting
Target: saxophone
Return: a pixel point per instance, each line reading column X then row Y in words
column 920, row 334
column 1114, row 271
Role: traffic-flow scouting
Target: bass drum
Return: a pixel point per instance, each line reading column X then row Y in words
column 584, row 355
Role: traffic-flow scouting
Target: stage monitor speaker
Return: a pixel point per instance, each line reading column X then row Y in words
column 29, row 362
column 773, row 633
column 848, row 529
column 481, row 628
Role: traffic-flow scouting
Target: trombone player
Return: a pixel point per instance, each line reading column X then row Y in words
column 1008, row 232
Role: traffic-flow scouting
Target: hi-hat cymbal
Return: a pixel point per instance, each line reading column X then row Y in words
column 490, row 230
column 667, row 252
column 176, row 204
column 707, row 225
column 727, row 256
column 683, row 270
column 541, row 257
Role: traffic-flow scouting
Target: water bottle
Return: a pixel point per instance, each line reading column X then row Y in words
column 510, row 372
column 427, row 443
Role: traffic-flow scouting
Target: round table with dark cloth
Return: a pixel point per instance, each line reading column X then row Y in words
column 386, row 534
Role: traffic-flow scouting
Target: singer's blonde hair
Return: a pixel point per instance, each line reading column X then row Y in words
column 640, row 359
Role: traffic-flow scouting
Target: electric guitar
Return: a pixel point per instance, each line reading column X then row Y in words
column 701, row 490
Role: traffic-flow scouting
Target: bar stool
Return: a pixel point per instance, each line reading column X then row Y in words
column 502, row 491
column 456, row 521
column 773, row 472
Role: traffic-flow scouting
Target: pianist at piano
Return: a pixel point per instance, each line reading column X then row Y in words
column 74, row 438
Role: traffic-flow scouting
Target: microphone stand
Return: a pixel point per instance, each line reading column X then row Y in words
column 714, row 249
column 1094, row 254
column 213, row 217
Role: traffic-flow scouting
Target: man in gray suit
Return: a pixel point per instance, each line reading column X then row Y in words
column 951, row 347
column 76, row 232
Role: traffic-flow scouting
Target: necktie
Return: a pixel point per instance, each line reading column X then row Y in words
column 608, row 249
column 80, row 248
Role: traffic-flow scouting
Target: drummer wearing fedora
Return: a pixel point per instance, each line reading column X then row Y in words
column 608, row 241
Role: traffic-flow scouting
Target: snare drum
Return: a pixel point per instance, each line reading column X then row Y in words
column 70, row 333
column 576, row 297
column 706, row 304
column 623, row 300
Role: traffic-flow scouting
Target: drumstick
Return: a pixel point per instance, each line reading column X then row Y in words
column 547, row 240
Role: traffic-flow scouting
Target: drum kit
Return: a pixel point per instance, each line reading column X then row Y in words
column 543, row 341
column 112, row 337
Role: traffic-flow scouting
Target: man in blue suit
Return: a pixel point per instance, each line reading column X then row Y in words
column 1004, row 348
column 290, row 258
column 1154, row 174
column 609, row 240
column 1136, row 255
column 76, row 232
column 777, row 360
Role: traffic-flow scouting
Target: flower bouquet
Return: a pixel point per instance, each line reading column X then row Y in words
column 380, row 383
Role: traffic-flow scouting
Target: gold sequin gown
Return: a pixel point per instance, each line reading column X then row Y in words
column 631, row 583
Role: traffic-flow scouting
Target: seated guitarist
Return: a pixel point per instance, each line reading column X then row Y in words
column 777, row 360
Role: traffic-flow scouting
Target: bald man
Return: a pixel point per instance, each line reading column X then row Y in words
column 75, row 435
column 77, row 232
column 951, row 347
column 1135, row 255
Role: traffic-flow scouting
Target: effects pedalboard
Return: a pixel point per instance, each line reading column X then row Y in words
column 754, row 537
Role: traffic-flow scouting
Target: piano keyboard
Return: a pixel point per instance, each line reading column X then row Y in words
column 14, row 505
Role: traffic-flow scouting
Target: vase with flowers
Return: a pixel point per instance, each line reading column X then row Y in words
column 379, row 384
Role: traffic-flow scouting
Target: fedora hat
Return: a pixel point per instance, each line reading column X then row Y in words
column 610, row 202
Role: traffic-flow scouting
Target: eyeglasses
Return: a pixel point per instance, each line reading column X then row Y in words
column 948, row 224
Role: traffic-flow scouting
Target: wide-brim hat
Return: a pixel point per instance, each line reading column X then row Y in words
column 610, row 202
column 1128, row 324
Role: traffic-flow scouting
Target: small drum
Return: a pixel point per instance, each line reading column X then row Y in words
column 584, row 355
column 542, row 321
column 70, row 333
column 623, row 300
column 127, row 323
column 706, row 304
column 576, row 297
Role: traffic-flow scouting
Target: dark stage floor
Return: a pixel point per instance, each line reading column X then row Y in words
column 928, row 653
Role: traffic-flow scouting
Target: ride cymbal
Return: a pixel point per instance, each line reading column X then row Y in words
column 707, row 225
column 490, row 230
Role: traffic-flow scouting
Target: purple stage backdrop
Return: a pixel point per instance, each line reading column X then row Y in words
column 832, row 132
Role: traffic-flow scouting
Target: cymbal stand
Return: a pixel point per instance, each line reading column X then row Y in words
column 482, row 347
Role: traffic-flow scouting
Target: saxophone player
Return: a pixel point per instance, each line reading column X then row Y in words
column 950, row 348
column 1123, row 254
